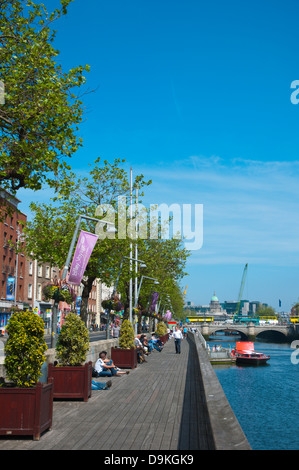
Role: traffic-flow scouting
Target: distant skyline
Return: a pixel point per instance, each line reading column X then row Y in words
column 197, row 97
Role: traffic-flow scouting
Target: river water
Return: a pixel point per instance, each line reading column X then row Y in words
column 265, row 399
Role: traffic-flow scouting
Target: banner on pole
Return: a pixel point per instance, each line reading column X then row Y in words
column 10, row 290
column 84, row 248
column 154, row 301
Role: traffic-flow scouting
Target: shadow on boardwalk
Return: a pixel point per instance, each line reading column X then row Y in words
column 195, row 430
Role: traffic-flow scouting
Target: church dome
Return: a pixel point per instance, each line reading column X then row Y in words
column 214, row 298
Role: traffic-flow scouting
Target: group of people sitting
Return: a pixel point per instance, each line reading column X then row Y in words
column 105, row 367
column 145, row 347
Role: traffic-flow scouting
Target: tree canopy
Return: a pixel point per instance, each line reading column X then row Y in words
column 51, row 231
column 40, row 116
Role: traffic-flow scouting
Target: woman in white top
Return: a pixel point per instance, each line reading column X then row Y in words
column 106, row 368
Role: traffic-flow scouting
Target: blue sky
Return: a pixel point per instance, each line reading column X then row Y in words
column 196, row 96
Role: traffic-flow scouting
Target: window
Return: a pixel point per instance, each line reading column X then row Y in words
column 30, row 268
column 29, row 291
column 48, row 272
column 40, row 271
column 39, row 292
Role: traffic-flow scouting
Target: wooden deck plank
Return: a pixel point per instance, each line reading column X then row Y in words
column 149, row 409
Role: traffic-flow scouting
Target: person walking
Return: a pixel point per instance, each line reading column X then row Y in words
column 177, row 334
column 116, row 330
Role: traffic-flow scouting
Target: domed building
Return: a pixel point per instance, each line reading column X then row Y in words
column 214, row 309
column 215, row 306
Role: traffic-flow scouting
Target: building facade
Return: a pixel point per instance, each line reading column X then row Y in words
column 23, row 278
column 13, row 261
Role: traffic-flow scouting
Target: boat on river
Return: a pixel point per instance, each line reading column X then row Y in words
column 245, row 354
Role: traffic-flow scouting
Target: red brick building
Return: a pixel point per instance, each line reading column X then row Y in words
column 12, row 265
column 22, row 279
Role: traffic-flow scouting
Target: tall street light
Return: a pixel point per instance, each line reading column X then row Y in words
column 20, row 238
column 142, row 265
column 139, row 288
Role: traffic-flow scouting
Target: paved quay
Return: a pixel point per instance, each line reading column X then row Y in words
column 155, row 407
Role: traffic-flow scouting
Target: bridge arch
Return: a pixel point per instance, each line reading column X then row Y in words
column 272, row 335
column 220, row 329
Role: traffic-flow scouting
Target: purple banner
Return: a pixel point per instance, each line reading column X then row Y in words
column 168, row 315
column 82, row 254
column 154, row 301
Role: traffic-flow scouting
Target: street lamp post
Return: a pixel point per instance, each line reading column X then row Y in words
column 20, row 238
column 145, row 277
column 142, row 264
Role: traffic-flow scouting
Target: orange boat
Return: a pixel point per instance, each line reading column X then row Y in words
column 245, row 354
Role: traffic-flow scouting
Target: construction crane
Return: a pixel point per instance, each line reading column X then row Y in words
column 241, row 290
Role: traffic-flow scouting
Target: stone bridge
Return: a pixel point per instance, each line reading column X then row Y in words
column 250, row 331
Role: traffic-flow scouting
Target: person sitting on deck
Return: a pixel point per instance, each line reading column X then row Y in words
column 106, row 367
column 140, row 351
column 153, row 343
column 156, row 339
column 143, row 340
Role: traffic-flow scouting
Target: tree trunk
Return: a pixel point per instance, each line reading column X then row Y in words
column 87, row 283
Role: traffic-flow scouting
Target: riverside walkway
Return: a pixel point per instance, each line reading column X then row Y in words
column 157, row 406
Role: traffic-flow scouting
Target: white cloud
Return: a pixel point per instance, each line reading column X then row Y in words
column 251, row 208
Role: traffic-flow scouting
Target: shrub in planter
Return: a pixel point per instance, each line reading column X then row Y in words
column 73, row 341
column 72, row 378
column 26, row 405
column 126, row 354
column 24, row 349
column 126, row 335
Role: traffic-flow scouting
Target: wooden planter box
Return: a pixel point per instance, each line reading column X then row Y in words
column 71, row 382
column 164, row 338
column 126, row 358
column 26, row 411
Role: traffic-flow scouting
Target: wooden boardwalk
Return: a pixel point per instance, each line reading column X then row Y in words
column 155, row 407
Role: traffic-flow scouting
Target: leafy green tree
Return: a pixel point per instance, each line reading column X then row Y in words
column 264, row 311
column 51, row 230
column 39, row 119
column 295, row 309
column 165, row 261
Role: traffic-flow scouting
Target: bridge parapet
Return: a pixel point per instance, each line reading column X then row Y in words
column 249, row 331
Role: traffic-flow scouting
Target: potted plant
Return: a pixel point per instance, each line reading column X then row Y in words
column 62, row 293
column 126, row 354
column 72, row 376
column 161, row 331
column 26, row 404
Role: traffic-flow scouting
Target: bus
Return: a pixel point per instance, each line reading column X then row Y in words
column 242, row 319
column 198, row 318
column 268, row 320
column 294, row 319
